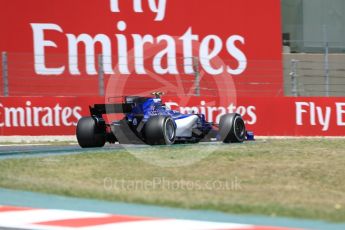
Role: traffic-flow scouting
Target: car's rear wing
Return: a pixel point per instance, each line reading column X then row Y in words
column 100, row 109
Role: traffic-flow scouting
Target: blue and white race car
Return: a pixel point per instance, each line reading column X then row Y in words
column 147, row 120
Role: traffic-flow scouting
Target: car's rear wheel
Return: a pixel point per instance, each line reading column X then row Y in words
column 232, row 128
column 90, row 133
column 160, row 130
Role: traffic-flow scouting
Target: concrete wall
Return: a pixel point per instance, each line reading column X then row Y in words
column 311, row 72
column 311, row 23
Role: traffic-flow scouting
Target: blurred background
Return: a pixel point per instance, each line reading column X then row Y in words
column 313, row 47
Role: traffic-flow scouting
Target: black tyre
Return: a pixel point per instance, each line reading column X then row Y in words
column 232, row 128
column 90, row 134
column 160, row 130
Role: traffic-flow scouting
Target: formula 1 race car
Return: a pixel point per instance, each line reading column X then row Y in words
column 147, row 120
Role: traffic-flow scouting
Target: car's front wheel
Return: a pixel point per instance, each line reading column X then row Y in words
column 232, row 128
column 160, row 130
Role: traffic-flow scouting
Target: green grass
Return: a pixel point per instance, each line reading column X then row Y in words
column 293, row 178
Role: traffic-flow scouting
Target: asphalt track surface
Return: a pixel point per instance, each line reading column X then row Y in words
column 22, row 151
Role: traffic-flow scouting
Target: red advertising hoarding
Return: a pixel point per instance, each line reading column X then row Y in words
column 264, row 116
column 54, row 46
column 227, row 51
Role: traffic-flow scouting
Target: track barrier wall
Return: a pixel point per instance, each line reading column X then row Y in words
column 265, row 116
column 61, row 56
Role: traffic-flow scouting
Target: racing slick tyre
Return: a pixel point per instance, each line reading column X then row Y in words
column 90, row 134
column 160, row 130
column 232, row 128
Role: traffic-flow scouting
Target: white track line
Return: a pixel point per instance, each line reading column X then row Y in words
column 169, row 225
